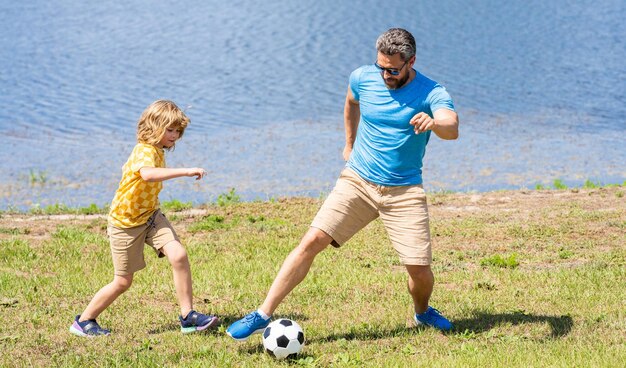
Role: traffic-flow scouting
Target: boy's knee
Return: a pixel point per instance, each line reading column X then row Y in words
column 122, row 283
column 176, row 254
column 180, row 259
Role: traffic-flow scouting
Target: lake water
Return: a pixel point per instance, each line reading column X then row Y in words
column 539, row 87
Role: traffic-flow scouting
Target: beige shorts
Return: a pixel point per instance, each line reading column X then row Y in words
column 355, row 202
column 127, row 244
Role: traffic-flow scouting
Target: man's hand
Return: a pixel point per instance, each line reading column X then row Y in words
column 347, row 150
column 422, row 122
column 445, row 123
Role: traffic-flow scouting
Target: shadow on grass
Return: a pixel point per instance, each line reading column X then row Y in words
column 482, row 321
column 175, row 326
column 169, row 327
column 479, row 323
column 164, row 328
column 372, row 333
column 259, row 349
column 225, row 320
column 292, row 316
column 228, row 319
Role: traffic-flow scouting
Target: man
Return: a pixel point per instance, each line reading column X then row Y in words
column 389, row 114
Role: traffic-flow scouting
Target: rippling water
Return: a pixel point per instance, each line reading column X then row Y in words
column 539, row 87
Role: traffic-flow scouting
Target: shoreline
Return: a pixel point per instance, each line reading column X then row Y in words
column 188, row 210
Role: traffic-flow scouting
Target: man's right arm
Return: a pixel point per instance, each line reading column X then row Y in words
column 351, row 116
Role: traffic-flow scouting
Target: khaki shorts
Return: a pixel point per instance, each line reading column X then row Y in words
column 127, row 244
column 355, row 202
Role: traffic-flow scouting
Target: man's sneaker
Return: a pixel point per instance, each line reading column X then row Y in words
column 433, row 318
column 248, row 325
column 196, row 322
column 88, row 328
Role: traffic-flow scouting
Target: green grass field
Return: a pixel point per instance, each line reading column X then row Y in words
column 529, row 278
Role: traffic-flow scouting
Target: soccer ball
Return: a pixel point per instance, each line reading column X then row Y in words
column 283, row 338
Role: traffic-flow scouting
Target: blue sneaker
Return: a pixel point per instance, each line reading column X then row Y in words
column 433, row 318
column 196, row 322
column 88, row 328
column 247, row 326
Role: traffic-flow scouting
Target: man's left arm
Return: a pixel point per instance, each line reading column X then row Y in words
column 445, row 123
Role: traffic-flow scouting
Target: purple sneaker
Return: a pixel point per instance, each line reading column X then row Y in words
column 88, row 328
column 196, row 322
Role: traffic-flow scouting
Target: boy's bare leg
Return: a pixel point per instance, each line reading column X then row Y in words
column 106, row 295
column 177, row 256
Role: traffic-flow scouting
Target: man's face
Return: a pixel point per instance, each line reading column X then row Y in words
column 394, row 63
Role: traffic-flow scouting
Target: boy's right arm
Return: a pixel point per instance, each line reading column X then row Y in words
column 152, row 174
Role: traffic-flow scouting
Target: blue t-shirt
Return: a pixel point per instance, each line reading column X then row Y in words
column 387, row 151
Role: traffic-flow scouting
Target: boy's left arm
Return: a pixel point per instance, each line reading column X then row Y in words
column 153, row 174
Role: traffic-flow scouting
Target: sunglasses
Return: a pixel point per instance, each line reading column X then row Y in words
column 392, row 71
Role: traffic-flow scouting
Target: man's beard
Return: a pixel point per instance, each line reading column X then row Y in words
column 398, row 83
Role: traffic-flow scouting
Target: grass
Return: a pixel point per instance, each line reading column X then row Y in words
column 58, row 209
column 499, row 261
column 591, row 185
column 558, row 184
column 562, row 304
column 226, row 199
column 175, row 206
column 209, row 223
column 37, row 177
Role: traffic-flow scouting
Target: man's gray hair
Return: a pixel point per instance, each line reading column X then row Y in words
column 396, row 40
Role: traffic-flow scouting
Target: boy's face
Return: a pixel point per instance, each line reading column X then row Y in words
column 170, row 137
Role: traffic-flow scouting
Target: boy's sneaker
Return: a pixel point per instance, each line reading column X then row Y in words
column 433, row 318
column 88, row 328
column 247, row 326
column 196, row 322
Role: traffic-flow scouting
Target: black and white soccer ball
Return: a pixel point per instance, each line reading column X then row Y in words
column 283, row 338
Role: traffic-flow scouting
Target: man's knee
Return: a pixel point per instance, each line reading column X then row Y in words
column 419, row 271
column 314, row 241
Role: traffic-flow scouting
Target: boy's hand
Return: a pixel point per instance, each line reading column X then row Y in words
column 198, row 172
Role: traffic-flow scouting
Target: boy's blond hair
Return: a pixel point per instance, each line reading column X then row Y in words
column 156, row 118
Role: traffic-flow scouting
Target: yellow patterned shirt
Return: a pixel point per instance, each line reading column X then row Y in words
column 136, row 199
